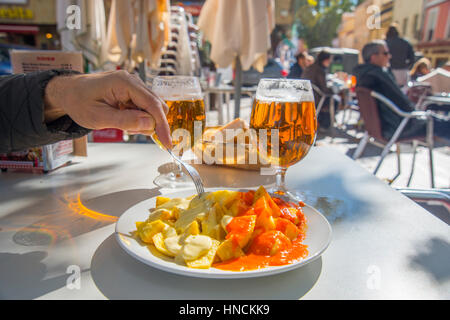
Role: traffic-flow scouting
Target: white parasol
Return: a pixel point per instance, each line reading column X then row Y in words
column 239, row 33
column 152, row 32
column 121, row 26
column 91, row 35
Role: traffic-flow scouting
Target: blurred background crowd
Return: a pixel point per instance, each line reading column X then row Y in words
column 300, row 25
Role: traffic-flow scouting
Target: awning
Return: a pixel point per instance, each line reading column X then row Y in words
column 19, row 29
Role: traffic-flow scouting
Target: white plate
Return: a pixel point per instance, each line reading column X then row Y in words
column 317, row 239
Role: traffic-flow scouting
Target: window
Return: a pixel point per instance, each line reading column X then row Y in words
column 431, row 23
column 405, row 26
column 415, row 26
column 447, row 36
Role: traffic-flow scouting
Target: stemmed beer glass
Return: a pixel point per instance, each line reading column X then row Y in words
column 186, row 118
column 284, row 120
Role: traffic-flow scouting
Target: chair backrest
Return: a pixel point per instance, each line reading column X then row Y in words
column 317, row 90
column 368, row 109
column 418, row 91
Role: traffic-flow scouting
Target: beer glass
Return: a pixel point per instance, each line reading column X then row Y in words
column 186, row 118
column 284, row 120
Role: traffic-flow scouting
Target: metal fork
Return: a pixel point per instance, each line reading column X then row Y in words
column 193, row 173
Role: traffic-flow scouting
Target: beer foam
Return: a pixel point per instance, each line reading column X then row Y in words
column 177, row 88
column 283, row 96
column 284, row 90
column 180, row 96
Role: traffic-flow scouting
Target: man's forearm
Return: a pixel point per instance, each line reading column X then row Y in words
column 25, row 119
column 53, row 98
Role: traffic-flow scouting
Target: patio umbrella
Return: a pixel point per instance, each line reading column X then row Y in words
column 159, row 27
column 152, row 32
column 120, row 32
column 137, row 30
column 67, row 34
column 239, row 33
column 91, row 35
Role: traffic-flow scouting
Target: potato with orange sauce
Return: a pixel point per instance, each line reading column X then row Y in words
column 226, row 229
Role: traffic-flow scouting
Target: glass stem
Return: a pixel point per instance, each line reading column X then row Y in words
column 281, row 181
column 178, row 172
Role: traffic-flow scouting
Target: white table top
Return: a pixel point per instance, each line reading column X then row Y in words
column 384, row 245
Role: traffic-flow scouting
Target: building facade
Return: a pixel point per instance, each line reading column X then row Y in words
column 382, row 19
column 409, row 16
column 346, row 31
column 435, row 36
column 371, row 21
column 361, row 33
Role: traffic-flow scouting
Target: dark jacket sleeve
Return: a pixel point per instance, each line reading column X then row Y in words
column 382, row 82
column 411, row 56
column 295, row 72
column 22, row 124
column 317, row 76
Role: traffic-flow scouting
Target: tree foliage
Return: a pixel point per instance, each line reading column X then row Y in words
column 317, row 21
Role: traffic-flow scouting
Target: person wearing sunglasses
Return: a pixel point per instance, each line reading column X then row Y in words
column 375, row 75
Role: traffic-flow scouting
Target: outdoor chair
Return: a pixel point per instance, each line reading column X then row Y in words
column 417, row 93
column 332, row 106
column 431, row 198
column 166, row 71
column 322, row 99
column 367, row 100
column 348, row 106
column 168, row 63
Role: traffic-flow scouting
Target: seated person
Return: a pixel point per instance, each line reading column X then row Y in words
column 309, row 60
column 317, row 74
column 298, row 67
column 439, row 79
column 374, row 75
column 446, row 66
column 420, row 68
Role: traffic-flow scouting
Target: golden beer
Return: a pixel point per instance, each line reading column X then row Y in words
column 296, row 124
column 182, row 115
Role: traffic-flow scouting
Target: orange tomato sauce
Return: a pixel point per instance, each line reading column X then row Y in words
column 266, row 247
column 252, row 261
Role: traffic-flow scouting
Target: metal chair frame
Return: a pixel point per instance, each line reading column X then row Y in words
column 439, row 197
column 322, row 95
column 429, row 139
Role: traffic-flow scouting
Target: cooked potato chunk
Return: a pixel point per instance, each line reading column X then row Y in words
column 209, row 222
column 193, row 229
column 226, row 219
column 240, row 229
column 195, row 246
column 173, row 245
column 223, row 227
column 158, row 241
column 147, row 230
column 227, row 250
column 161, row 200
column 205, row 261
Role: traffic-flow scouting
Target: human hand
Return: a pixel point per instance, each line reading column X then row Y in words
column 108, row 100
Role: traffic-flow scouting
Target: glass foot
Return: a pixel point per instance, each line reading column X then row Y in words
column 174, row 181
column 287, row 195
